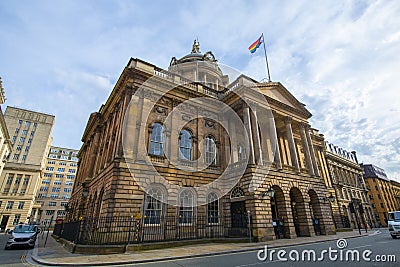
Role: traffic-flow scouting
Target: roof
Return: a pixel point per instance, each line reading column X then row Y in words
column 372, row 171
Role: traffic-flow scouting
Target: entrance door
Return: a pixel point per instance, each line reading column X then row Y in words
column 238, row 214
column 4, row 222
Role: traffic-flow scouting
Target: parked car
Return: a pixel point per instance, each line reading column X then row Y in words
column 23, row 235
column 394, row 223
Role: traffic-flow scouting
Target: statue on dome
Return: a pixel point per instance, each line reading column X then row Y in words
column 196, row 46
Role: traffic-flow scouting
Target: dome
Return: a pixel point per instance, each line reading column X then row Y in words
column 199, row 67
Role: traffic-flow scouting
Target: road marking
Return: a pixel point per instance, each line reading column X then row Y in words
column 359, row 247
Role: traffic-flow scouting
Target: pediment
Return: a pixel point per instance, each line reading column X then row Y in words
column 278, row 92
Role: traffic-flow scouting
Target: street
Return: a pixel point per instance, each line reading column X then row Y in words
column 14, row 257
column 379, row 244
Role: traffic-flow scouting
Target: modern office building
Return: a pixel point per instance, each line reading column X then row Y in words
column 30, row 133
column 379, row 192
column 284, row 171
column 56, row 186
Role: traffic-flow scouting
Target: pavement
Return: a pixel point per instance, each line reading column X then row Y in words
column 55, row 255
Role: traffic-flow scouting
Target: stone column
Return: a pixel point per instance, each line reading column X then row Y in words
column 274, row 139
column 256, row 137
column 247, row 124
column 312, row 152
column 306, row 148
column 233, row 141
column 292, row 145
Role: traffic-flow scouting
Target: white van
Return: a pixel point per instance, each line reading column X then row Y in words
column 394, row 223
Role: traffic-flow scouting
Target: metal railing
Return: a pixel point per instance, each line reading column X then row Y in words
column 129, row 230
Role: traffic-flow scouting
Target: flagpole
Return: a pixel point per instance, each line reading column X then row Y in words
column 266, row 58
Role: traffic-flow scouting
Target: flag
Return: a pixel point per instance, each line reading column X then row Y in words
column 255, row 45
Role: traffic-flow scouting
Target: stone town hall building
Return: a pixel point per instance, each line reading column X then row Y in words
column 290, row 199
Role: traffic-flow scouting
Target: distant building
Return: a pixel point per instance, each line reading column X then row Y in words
column 351, row 205
column 22, row 174
column 57, row 183
column 380, row 192
column 396, row 193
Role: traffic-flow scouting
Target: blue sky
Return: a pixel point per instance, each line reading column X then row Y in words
column 340, row 58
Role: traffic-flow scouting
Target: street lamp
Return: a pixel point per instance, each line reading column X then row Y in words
column 270, row 193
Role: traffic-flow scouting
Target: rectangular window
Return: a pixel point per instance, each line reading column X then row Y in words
column 54, row 150
column 49, row 175
column 57, row 182
column 26, row 181
column 23, row 157
column 61, row 169
column 28, row 123
column 49, row 212
column 32, row 133
column 9, row 205
column 24, row 132
column 14, row 138
column 44, row 188
column 35, row 124
column 67, row 190
column 72, row 164
column 6, row 190
column 64, row 204
column 56, row 189
column 54, row 195
column 51, row 162
column 29, row 140
column 60, row 213
column 65, row 196
column 27, row 148
column 62, row 163
column 52, row 156
column 71, row 170
column 19, row 122
column 46, row 182
column 22, row 192
column 17, row 131
column 59, row 175
column 63, row 157
column 16, row 156
column 49, row 168
column 22, row 139
column 70, row 177
column 19, row 148
column 9, row 179
column 17, row 180
column 69, row 183
column 42, row 195
column 74, row 158
column 16, row 219
column 52, row 203
column 21, row 205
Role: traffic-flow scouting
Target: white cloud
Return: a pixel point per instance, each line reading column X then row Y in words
column 339, row 58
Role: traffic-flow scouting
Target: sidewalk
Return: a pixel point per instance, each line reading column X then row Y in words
column 55, row 255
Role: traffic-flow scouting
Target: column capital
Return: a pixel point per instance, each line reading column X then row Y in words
column 287, row 120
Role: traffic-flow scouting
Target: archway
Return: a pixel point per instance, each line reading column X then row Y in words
column 279, row 214
column 299, row 212
column 316, row 214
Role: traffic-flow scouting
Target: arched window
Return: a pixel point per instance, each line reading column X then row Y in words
column 212, row 208
column 157, row 140
column 210, row 150
column 186, row 204
column 153, row 206
column 185, row 145
column 237, row 192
